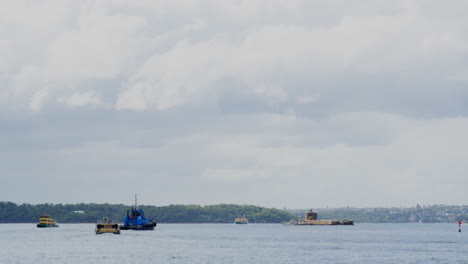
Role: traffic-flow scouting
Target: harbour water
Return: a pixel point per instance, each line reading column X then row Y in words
column 230, row 243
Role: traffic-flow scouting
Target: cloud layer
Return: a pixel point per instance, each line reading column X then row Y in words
column 277, row 103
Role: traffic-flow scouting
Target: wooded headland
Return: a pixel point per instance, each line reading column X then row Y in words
column 90, row 213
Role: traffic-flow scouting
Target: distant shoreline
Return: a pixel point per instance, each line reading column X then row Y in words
column 226, row 213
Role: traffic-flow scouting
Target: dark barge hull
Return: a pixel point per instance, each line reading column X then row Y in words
column 322, row 222
column 138, row 227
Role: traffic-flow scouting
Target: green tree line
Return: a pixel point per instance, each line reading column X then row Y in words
column 90, row 213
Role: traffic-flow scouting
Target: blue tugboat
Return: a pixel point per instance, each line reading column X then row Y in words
column 136, row 220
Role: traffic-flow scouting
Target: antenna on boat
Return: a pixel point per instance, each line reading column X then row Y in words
column 136, row 205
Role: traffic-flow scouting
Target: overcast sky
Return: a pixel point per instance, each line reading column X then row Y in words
column 297, row 103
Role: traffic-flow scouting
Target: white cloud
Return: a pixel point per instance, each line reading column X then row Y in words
column 27, row 80
column 80, row 99
column 133, row 99
column 356, row 44
column 299, row 94
column 196, row 25
column 173, row 53
column 178, row 76
column 38, row 99
column 100, row 47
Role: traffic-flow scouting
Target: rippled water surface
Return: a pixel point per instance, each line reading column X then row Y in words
column 229, row 243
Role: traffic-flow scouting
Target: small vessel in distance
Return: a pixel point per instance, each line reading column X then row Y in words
column 311, row 219
column 136, row 220
column 106, row 225
column 46, row 221
column 241, row 220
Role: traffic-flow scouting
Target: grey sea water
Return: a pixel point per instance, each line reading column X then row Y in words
column 229, row 243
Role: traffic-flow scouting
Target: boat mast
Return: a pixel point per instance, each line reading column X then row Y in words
column 136, row 205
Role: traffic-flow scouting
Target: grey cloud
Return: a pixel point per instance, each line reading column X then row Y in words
column 285, row 94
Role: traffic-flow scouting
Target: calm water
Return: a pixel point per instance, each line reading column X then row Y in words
column 229, row 243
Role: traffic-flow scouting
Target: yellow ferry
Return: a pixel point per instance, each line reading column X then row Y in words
column 46, row 221
column 241, row 220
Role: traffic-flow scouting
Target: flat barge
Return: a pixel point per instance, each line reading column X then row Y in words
column 311, row 219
